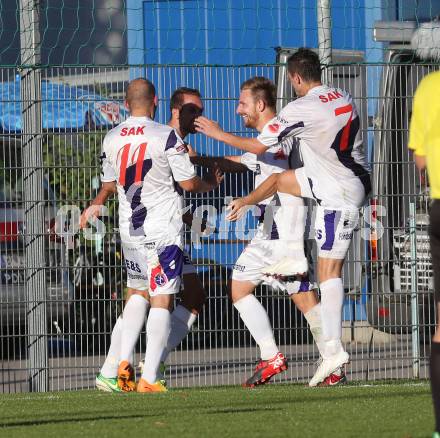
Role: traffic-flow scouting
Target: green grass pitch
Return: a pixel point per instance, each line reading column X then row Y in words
column 379, row 410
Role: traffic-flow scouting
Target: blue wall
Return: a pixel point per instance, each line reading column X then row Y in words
column 231, row 31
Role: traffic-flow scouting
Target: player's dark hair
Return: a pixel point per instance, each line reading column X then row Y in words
column 140, row 91
column 306, row 64
column 262, row 89
column 176, row 100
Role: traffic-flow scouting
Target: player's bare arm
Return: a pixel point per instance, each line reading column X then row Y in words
column 265, row 190
column 93, row 210
column 191, row 151
column 230, row 164
column 187, row 218
column 213, row 130
column 420, row 161
column 284, row 182
column 199, row 185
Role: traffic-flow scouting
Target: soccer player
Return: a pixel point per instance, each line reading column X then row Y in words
column 280, row 233
column 424, row 140
column 325, row 122
column 142, row 160
column 185, row 106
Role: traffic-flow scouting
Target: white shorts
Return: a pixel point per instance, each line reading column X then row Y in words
column 346, row 193
column 260, row 253
column 334, row 231
column 155, row 267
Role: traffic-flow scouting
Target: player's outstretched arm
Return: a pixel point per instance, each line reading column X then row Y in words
column 209, row 182
column 263, row 191
column 229, row 164
column 93, row 210
column 226, row 164
column 284, row 182
column 213, row 130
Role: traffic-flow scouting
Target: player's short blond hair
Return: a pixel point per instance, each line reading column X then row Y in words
column 262, row 89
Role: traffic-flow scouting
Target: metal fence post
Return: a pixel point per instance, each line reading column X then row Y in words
column 325, row 39
column 33, row 181
column 415, row 340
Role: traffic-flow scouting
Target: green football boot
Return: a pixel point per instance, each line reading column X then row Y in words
column 107, row 384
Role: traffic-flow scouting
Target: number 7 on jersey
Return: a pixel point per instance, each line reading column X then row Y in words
column 343, row 144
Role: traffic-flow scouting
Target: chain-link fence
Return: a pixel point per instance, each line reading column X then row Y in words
column 61, row 291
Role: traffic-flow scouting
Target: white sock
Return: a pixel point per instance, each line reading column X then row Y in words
column 158, row 331
column 133, row 318
column 313, row 318
column 332, row 300
column 110, row 367
column 181, row 321
column 256, row 320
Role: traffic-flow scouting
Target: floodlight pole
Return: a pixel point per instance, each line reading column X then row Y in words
column 325, row 38
column 33, row 183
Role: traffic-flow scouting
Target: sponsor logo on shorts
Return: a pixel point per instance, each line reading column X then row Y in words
column 158, row 278
column 345, row 236
column 240, row 268
column 132, row 266
column 150, row 245
column 136, row 277
column 318, row 234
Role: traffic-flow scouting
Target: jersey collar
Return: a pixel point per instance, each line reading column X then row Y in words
column 139, row 118
column 317, row 89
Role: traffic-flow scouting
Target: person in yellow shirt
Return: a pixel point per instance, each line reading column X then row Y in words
column 424, row 140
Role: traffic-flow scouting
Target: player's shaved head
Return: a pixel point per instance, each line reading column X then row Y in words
column 262, row 89
column 140, row 94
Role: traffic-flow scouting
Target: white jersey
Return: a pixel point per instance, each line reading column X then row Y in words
column 326, row 123
column 287, row 210
column 146, row 158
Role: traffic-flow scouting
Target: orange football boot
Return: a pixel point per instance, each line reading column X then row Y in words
column 144, row 386
column 126, row 377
